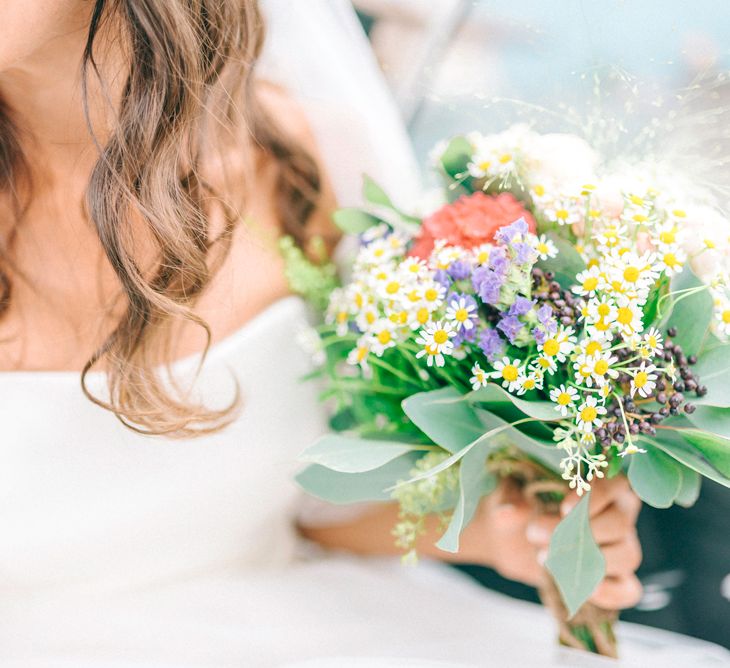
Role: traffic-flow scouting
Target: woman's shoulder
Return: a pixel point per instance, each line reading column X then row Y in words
column 252, row 276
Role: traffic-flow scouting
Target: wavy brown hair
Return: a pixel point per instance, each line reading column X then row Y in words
column 190, row 83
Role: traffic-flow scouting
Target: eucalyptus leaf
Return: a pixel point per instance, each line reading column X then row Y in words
column 546, row 453
column 445, row 417
column 354, row 221
column 713, row 369
column 672, row 443
column 655, row 477
column 493, row 395
column 689, row 492
column 455, row 159
column 374, row 194
column 342, row 488
column 489, row 437
column 574, row 560
column 713, row 447
column 566, row 265
column 691, row 313
column 474, row 482
column 354, row 455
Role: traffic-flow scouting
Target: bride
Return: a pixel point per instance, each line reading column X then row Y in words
column 150, row 401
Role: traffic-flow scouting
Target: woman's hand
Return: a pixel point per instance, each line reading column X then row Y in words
column 509, row 534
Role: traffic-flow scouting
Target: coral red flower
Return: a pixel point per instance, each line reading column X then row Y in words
column 470, row 221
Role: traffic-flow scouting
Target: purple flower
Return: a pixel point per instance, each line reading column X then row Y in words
column 506, row 235
column 441, row 277
column 491, row 344
column 545, row 314
column 498, row 261
column 521, row 306
column 539, row 335
column 464, row 335
column 459, row 270
column 487, row 284
column 510, row 326
column 525, row 253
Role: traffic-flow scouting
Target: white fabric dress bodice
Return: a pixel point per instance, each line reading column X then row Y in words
column 118, row 549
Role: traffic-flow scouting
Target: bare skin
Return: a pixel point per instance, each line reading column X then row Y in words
column 74, row 298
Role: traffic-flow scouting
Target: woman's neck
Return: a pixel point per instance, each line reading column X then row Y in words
column 44, row 98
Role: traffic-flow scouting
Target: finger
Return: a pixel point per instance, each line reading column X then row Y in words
column 540, row 529
column 603, row 493
column 612, row 525
column 618, row 593
column 622, row 558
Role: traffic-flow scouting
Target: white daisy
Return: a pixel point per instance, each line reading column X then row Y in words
column 589, row 414
column 508, row 371
column 644, row 380
column 564, row 398
column 479, row 377
column 436, row 341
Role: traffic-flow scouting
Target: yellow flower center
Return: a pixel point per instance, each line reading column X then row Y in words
column 590, row 284
column 529, row 384
column 362, row 352
column 602, row 325
column 440, row 336
column 564, row 399
column 604, row 309
column 588, row 414
column 709, row 243
column 542, row 248
column 562, row 214
column 539, row 190
column 726, row 316
column 593, row 347
column 431, row 294
column 384, row 336
column 551, row 347
column 641, row 379
column 679, row 213
column 504, row 159
column 635, row 199
column 631, row 274
column 652, row 341
column 585, row 371
column 461, row 315
column 668, row 236
column 370, row 317
column 670, row 259
column 342, row 317
column 392, row 287
column 544, row 363
column 422, row 315
column 484, row 165
column 625, row 315
column 510, row 372
column 601, row 367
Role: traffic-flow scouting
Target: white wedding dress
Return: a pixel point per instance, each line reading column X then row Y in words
column 120, row 550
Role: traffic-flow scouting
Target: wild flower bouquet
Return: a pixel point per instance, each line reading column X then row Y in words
column 543, row 324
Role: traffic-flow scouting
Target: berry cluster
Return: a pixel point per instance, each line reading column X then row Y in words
column 641, row 416
column 548, row 291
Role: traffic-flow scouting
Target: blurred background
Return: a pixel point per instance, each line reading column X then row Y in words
column 461, row 65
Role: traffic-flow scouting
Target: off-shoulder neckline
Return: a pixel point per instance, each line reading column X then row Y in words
column 217, row 349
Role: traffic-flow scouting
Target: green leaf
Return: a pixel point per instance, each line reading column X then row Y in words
column 546, row 453
column 474, row 482
column 489, row 436
column 671, row 442
column 354, row 455
column 690, row 489
column 713, row 369
column 456, row 157
column 692, row 314
column 566, row 265
column 374, row 194
column 655, row 477
column 494, row 396
column 342, row 488
column 713, row 447
column 574, row 560
column 354, row 221
column 445, row 417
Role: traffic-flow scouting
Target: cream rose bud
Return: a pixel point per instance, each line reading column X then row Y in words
column 563, row 159
column 608, row 197
column 706, row 229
